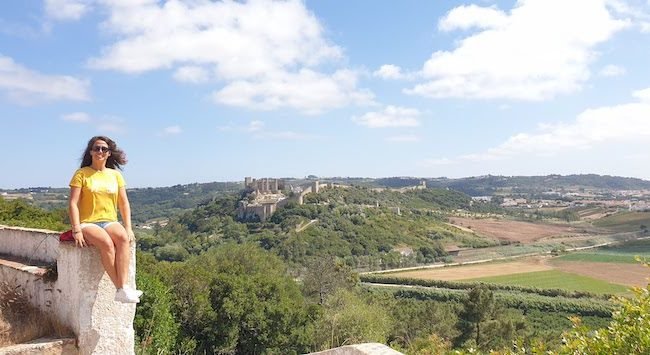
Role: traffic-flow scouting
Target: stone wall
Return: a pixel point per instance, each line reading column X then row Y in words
column 81, row 298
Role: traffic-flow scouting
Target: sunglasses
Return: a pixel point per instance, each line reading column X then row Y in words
column 101, row 149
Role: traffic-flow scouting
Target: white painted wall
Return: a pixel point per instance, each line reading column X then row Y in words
column 82, row 296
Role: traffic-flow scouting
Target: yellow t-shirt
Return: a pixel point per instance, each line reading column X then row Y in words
column 99, row 193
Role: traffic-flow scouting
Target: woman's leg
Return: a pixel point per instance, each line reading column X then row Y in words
column 99, row 238
column 120, row 239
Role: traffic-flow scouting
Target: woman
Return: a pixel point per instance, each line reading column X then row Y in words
column 97, row 190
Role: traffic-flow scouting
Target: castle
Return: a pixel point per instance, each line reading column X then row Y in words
column 265, row 196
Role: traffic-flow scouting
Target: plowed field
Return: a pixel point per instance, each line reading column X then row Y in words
column 516, row 231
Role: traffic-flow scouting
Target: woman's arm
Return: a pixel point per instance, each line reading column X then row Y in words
column 73, row 213
column 125, row 211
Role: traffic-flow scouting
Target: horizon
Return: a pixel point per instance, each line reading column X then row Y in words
column 336, row 177
column 212, row 91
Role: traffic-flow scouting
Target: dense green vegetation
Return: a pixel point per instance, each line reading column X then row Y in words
column 163, row 202
column 214, row 284
column 22, row 214
column 348, row 225
column 494, row 286
column 556, row 279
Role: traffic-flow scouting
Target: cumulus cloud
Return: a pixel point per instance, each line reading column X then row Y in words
column 27, row 86
column 267, row 53
column 597, row 127
column 191, row 74
column 307, row 91
column 76, row 117
column 472, row 16
column 65, row 10
column 255, row 126
column 252, row 126
column 389, row 71
column 642, row 95
column 612, row 70
column 517, row 55
column 391, row 116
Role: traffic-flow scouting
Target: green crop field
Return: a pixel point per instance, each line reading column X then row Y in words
column 625, row 221
column 623, row 253
column 556, row 279
column 600, row 258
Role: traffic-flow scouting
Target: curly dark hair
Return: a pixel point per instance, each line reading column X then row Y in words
column 114, row 161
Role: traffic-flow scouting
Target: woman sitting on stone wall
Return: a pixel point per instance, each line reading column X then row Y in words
column 97, row 191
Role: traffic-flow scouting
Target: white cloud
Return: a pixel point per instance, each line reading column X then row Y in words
column 643, row 95
column 645, row 27
column 252, row 126
column 257, row 48
column 76, row 117
column 410, row 138
column 255, row 126
column 392, row 116
column 389, row 71
column 612, row 70
column 191, row 74
column 307, row 91
column 27, row 86
column 518, row 55
column 172, row 130
column 593, row 128
column 467, row 17
column 64, row 10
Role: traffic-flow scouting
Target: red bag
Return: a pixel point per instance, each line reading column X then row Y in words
column 66, row 236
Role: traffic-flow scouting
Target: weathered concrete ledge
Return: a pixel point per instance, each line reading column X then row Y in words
column 43, row 346
column 81, row 298
column 29, row 243
column 360, row 349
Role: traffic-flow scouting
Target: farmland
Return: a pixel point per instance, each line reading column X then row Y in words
column 515, row 231
column 625, row 221
column 610, row 269
column 556, row 279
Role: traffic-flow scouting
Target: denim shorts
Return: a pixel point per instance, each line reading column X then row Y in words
column 99, row 224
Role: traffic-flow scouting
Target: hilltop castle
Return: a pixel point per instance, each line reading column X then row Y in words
column 265, row 196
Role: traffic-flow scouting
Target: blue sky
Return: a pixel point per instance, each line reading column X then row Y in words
column 199, row 91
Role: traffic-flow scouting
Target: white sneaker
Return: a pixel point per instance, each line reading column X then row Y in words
column 126, row 296
column 137, row 293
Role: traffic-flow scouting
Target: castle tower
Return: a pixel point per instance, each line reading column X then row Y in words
column 314, row 187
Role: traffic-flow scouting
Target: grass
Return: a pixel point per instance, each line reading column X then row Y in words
column 599, row 258
column 625, row 221
column 624, row 253
column 556, row 279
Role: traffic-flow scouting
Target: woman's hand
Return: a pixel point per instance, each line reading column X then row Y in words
column 131, row 235
column 79, row 239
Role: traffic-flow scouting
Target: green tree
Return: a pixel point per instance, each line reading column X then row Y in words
column 324, row 275
column 348, row 319
column 478, row 308
column 155, row 327
column 21, row 214
column 238, row 299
